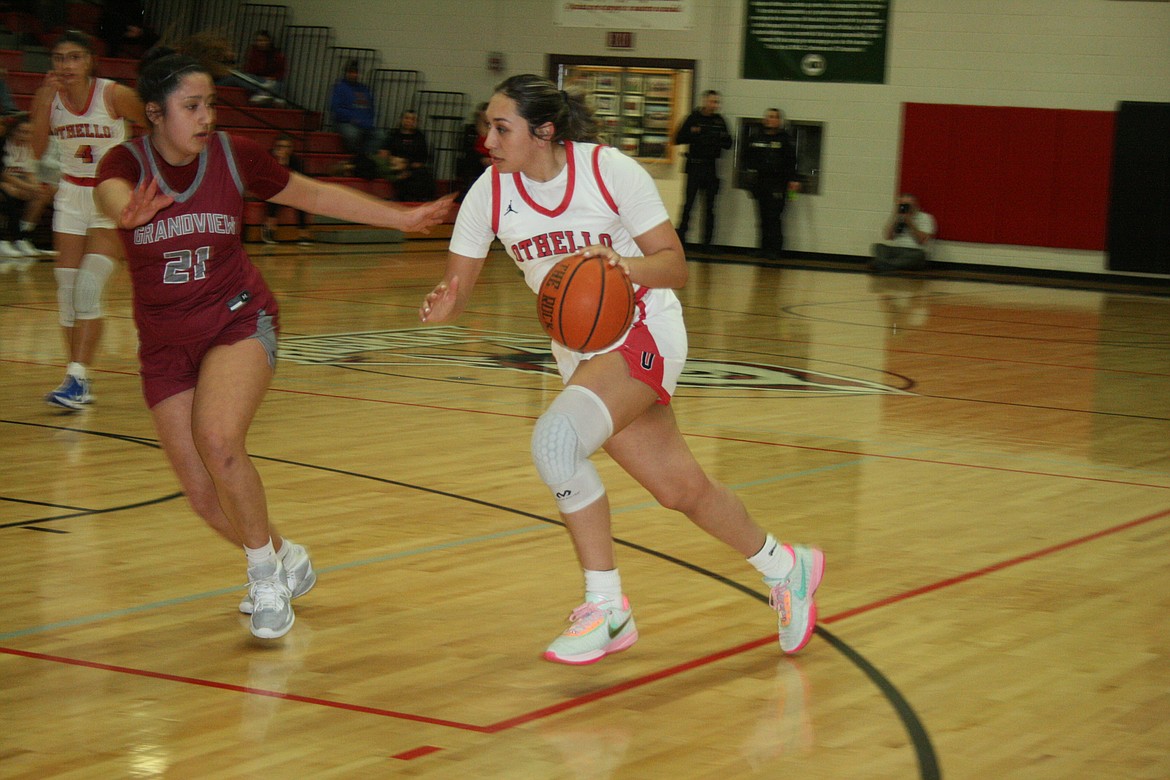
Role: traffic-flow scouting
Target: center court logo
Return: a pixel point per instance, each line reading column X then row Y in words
column 473, row 348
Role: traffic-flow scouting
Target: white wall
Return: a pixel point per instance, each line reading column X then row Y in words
column 1077, row 54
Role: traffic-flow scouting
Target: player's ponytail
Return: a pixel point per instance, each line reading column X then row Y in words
column 164, row 67
column 539, row 101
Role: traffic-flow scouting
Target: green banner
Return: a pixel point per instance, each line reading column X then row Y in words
column 816, row 40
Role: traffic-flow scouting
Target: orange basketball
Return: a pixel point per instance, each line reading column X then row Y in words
column 585, row 303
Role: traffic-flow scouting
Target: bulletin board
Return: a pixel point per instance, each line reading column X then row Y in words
column 638, row 104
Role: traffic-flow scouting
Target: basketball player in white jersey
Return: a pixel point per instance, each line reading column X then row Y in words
column 550, row 193
column 88, row 117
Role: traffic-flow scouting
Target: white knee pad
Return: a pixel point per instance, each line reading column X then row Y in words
column 66, row 278
column 91, row 280
column 573, row 427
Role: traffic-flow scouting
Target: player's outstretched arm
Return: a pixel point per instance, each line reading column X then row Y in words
column 449, row 298
column 334, row 200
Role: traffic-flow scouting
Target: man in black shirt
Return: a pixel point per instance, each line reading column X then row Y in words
column 705, row 132
column 771, row 157
column 407, row 158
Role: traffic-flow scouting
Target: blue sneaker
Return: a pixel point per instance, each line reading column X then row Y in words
column 72, row 394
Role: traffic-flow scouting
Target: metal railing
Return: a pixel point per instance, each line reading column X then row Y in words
column 442, row 116
column 315, row 63
column 307, row 52
column 394, row 91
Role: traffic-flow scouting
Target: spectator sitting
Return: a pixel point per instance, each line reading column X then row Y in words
column 352, row 105
column 23, row 196
column 406, row 153
column 282, row 150
column 907, row 235
column 124, row 29
column 474, row 157
column 266, row 65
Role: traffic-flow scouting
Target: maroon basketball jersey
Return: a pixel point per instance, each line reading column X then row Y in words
column 190, row 272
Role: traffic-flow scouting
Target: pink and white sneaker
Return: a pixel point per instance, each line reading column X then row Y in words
column 792, row 597
column 595, row 631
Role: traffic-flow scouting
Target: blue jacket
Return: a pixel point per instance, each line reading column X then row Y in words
column 352, row 103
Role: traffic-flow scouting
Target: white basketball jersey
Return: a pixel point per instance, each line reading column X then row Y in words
column 86, row 135
column 538, row 232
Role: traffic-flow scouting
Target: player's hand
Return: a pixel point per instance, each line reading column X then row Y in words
column 48, row 88
column 422, row 218
column 605, row 253
column 439, row 305
column 145, row 202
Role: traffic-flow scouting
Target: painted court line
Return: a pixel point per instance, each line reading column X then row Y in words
column 87, row 619
column 578, row 701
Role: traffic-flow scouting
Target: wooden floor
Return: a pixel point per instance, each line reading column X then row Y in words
column 987, row 467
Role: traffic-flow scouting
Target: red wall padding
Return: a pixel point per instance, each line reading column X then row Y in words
column 1004, row 175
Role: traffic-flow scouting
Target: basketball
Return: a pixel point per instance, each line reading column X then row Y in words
column 585, row 303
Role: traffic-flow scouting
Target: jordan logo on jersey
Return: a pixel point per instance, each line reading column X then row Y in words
column 510, row 210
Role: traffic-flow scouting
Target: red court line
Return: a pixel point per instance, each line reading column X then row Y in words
column 418, row 752
column 613, row 690
column 245, row 689
column 1032, row 556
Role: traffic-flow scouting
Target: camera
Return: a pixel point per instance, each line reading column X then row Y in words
column 903, row 208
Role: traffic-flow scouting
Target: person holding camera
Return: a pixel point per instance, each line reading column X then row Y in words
column 907, row 238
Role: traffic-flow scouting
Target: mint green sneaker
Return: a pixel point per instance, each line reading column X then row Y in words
column 595, row 631
column 299, row 572
column 792, row 597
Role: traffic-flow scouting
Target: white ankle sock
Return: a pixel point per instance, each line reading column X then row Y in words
column 603, row 586
column 262, row 561
column 76, row 370
column 774, row 560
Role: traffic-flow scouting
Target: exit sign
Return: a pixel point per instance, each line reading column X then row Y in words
column 619, row 40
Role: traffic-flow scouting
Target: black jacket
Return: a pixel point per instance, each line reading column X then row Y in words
column 707, row 136
column 772, row 156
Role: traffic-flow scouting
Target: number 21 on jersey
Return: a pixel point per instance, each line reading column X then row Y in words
column 184, row 265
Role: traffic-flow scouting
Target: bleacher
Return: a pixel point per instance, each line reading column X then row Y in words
column 319, row 150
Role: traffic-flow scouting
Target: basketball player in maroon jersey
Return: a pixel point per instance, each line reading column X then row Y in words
column 551, row 193
column 207, row 322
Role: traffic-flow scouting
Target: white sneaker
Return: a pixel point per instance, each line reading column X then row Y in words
column 25, row 247
column 8, row 250
column 299, row 575
column 792, row 597
column 272, row 613
column 595, row 630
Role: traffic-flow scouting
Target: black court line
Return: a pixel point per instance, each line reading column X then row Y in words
column 923, row 748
